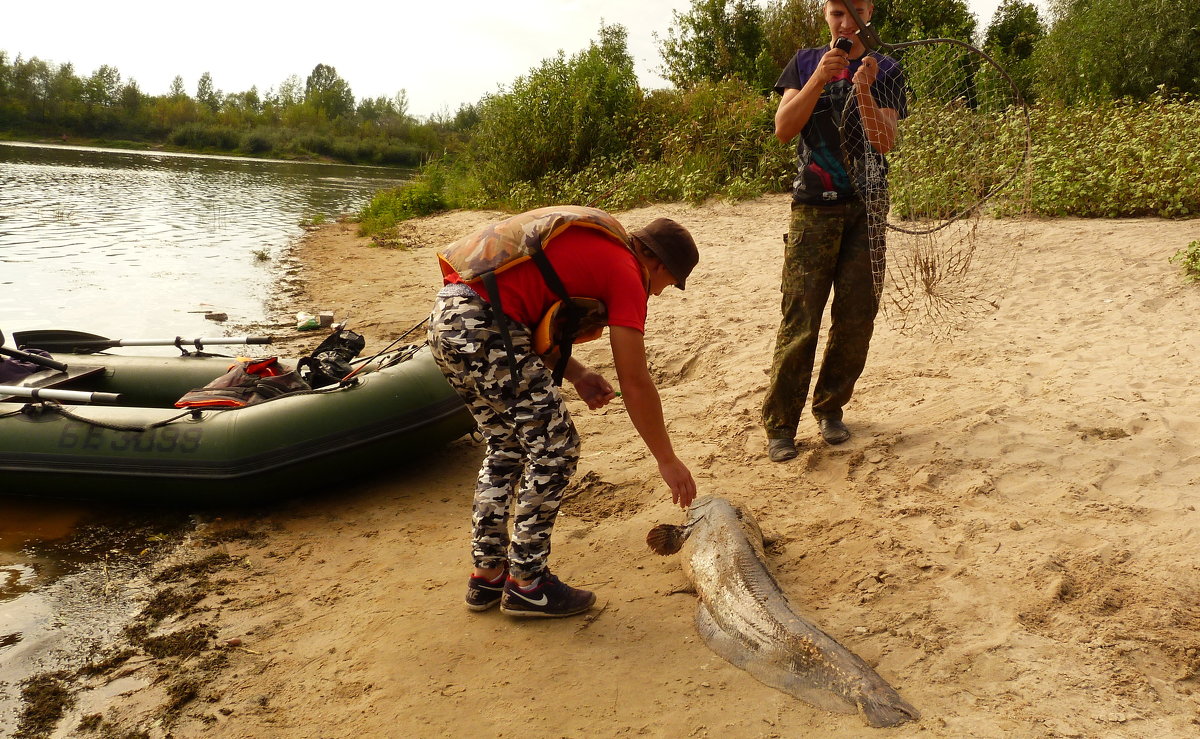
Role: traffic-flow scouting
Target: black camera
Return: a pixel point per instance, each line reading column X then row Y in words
column 844, row 44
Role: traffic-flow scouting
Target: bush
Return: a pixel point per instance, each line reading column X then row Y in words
column 313, row 143
column 560, row 117
column 1132, row 161
column 389, row 207
column 261, row 140
column 1189, row 259
column 205, row 136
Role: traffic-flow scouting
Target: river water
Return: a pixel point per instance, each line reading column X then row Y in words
column 129, row 245
column 140, row 244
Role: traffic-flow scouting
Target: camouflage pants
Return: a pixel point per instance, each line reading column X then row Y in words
column 532, row 445
column 827, row 249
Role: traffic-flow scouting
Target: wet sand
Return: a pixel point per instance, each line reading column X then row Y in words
column 1009, row 537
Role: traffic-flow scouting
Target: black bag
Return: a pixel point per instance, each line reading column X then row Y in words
column 330, row 362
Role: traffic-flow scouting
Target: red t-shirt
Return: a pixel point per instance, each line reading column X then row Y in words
column 590, row 265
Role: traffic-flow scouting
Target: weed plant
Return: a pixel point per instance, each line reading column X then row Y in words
column 1189, row 260
column 391, row 206
column 1117, row 159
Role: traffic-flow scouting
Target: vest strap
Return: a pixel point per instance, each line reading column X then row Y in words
column 571, row 313
column 493, row 289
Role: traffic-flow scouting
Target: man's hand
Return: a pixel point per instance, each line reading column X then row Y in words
column 867, row 72
column 679, row 478
column 833, row 63
column 593, row 389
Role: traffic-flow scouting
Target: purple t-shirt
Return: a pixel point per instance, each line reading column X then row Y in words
column 821, row 157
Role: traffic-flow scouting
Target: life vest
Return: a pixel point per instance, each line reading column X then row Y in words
column 478, row 258
column 249, row 382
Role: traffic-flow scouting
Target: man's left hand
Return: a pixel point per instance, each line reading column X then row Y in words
column 867, row 71
column 596, row 391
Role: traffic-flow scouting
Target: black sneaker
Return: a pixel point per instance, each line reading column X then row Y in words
column 483, row 593
column 549, row 598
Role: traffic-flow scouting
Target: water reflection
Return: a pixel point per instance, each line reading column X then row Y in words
column 126, row 243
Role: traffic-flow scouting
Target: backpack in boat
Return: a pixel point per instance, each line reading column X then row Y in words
column 248, row 382
column 330, row 361
column 478, row 258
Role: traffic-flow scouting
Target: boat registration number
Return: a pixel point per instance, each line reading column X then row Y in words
column 168, row 439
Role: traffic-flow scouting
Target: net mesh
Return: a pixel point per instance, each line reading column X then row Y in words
column 965, row 140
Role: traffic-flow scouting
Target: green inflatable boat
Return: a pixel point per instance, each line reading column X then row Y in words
column 135, row 445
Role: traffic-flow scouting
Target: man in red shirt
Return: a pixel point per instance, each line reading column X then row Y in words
column 532, row 444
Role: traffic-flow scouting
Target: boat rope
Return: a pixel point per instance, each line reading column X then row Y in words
column 402, row 356
column 52, row 406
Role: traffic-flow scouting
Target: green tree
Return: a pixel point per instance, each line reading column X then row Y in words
column 328, row 93
column 206, row 94
column 1119, row 48
column 131, row 97
column 908, row 20
column 559, row 117
column 177, row 90
column 66, row 93
column 715, row 40
column 789, row 25
column 1013, row 34
column 103, row 87
column 290, row 92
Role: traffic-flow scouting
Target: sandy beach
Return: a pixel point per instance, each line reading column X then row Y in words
column 1009, row 538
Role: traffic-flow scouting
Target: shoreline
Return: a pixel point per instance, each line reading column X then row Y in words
column 1007, row 538
column 163, row 149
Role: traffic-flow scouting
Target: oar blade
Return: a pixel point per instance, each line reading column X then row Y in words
column 67, row 342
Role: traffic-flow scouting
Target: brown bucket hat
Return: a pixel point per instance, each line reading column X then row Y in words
column 672, row 244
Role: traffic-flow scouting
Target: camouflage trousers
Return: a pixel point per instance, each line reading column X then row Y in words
column 827, row 248
column 532, row 444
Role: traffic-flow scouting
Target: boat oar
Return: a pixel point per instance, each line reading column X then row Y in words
column 78, row 342
column 66, row 396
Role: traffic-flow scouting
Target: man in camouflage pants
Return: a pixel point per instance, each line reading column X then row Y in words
column 511, row 415
column 828, row 92
column 532, row 444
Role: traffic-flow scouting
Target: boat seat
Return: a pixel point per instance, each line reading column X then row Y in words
column 48, row 378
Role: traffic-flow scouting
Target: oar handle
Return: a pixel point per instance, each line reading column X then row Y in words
column 67, row 396
column 33, row 358
column 176, row 341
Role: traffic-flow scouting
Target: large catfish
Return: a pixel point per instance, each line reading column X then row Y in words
column 745, row 617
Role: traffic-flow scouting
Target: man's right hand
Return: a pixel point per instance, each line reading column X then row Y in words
column 833, row 63
column 679, row 478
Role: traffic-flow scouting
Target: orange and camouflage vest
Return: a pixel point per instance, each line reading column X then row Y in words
column 477, row 258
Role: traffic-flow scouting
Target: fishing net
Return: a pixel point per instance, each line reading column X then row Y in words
column 961, row 155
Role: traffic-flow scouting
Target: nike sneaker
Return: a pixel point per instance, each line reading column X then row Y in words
column 545, row 597
column 483, row 593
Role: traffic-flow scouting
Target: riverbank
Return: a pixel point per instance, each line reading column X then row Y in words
column 1009, row 537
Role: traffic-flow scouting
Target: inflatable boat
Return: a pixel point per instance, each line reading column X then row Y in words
column 136, row 445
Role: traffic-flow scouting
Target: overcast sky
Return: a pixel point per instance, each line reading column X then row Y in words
column 443, row 54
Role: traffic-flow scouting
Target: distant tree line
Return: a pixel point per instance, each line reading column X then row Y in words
column 316, row 117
